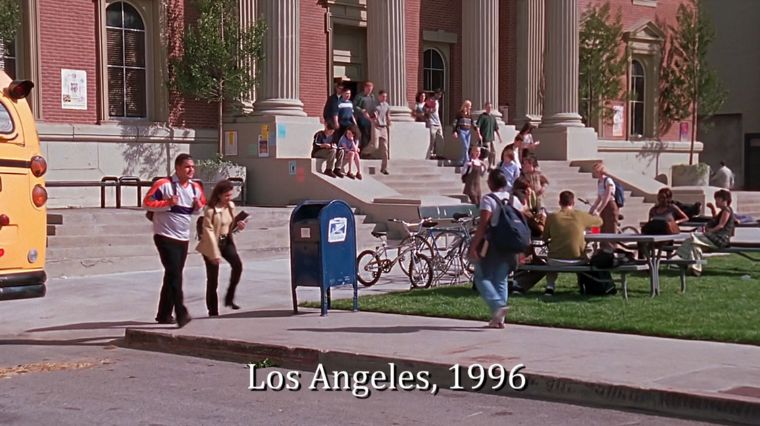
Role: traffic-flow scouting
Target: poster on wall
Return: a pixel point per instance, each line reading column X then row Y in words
column 617, row 120
column 73, row 89
column 231, row 142
column 683, row 132
column 263, row 146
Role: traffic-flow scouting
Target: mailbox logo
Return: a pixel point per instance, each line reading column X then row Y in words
column 336, row 230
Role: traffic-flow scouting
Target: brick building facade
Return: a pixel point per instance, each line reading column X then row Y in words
column 333, row 43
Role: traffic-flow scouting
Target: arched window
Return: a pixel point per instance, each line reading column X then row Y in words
column 636, row 104
column 433, row 74
column 125, row 34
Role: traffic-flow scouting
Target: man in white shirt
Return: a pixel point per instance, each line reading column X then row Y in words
column 434, row 123
column 492, row 267
column 723, row 177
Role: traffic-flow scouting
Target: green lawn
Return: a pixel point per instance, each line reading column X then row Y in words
column 718, row 306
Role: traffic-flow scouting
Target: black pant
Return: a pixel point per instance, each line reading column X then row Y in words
column 173, row 254
column 230, row 254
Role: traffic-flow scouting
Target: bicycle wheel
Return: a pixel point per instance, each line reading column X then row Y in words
column 420, row 271
column 412, row 244
column 369, row 268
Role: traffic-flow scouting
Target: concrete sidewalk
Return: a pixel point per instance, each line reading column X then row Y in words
column 704, row 380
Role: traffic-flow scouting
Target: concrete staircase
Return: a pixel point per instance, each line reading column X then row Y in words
column 419, row 179
column 747, row 203
column 425, row 178
column 95, row 241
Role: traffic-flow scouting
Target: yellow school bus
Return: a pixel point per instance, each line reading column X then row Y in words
column 23, row 216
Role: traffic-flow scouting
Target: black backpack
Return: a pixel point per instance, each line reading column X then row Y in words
column 619, row 193
column 596, row 283
column 511, row 234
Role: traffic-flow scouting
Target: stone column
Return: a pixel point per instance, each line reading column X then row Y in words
column 247, row 20
column 480, row 54
column 561, row 64
column 386, row 56
column 279, row 92
column 530, row 61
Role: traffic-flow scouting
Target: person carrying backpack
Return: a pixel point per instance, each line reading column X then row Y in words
column 605, row 205
column 501, row 235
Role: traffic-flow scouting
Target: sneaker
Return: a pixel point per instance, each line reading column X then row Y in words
column 359, row 175
column 329, row 173
column 549, row 291
column 385, row 172
column 350, row 175
column 339, row 173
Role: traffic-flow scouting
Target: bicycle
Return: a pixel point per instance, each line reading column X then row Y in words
column 371, row 264
column 445, row 247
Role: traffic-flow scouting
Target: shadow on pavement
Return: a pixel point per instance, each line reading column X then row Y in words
column 393, row 329
column 273, row 313
column 84, row 341
column 93, row 326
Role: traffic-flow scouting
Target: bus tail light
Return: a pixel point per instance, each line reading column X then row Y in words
column 2, row 252
column 20, row 89
column 39, row 195
column 38, row 166
column 4, row 220
column 32, row 256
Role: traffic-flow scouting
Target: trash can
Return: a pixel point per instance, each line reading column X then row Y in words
column 322, row 249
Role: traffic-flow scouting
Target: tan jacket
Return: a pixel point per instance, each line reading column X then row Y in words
column 216, row 221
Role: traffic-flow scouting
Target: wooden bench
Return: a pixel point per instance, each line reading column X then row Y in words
column 623, row 270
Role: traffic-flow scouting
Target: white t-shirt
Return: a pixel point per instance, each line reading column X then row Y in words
column 487, row 203
column 601, row 186
column 433, row 119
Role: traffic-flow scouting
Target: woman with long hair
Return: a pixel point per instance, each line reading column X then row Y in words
column 216, row 242
column 463, row 130
column 419, row 107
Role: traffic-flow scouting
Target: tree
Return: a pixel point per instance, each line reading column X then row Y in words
column 602, row 62
column 690, row 87
column 214, row 66
column 10, row 16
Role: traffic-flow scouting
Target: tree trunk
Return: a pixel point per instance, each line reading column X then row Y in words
column 220, row 118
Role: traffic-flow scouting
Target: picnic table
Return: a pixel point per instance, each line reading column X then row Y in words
column 651, row 248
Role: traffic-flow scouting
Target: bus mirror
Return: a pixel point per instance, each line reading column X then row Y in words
column 20, row 89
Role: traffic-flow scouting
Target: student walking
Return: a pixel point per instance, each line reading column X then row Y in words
column 471, row 174
column 605, row 205
column 492, row 266
column 463, row 130
column 172, row 201
column 487, row 126
column 432, row 106
column 381, row 124
column 216, row 242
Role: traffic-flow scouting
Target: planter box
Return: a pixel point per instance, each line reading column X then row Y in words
column 695, row 175
column 211, row 176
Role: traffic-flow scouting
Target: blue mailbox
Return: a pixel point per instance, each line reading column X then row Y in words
column 323, row 249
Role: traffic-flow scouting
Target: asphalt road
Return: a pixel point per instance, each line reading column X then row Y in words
column 108, row 385
column 59, row 364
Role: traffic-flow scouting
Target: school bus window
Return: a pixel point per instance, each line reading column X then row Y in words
column 6, row 123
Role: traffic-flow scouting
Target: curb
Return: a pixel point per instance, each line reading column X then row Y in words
column 543, row 387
